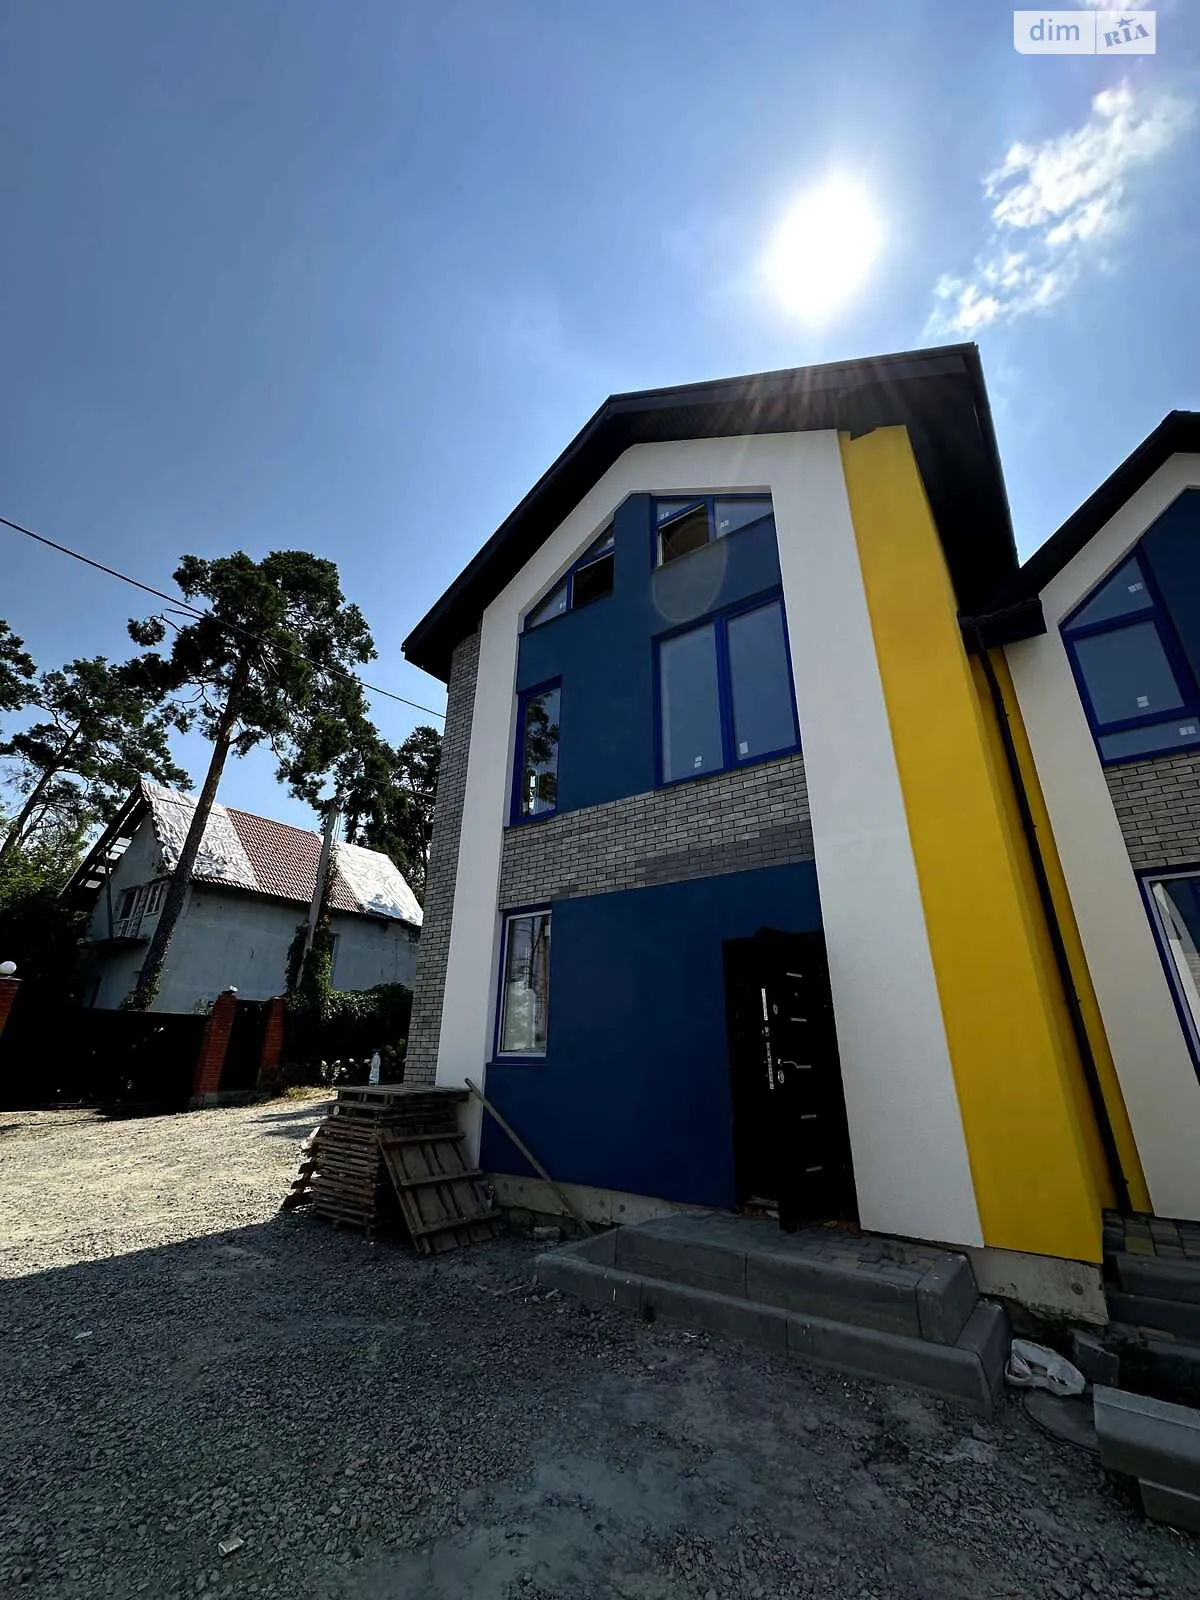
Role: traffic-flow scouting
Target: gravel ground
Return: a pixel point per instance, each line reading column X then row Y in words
column 182, row 1364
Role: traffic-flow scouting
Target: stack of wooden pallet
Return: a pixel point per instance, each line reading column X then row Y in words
column 391, row 1154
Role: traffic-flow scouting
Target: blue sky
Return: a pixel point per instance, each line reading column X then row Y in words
column 290, row 273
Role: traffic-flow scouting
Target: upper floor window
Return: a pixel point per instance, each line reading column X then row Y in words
column 591, row 578
column 143, row 901
column 1137, row 688
column 725, row 693
column 683, row 525
column 537, row 753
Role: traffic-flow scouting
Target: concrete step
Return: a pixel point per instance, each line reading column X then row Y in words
column 865, row 1282
column 1178, row 1317
column 1159, row 1277
column 968, row 1371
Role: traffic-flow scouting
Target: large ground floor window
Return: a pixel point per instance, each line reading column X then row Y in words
column 1175, row 907
column 523, row 1024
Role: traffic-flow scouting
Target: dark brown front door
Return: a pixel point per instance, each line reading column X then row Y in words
column 791, row 1143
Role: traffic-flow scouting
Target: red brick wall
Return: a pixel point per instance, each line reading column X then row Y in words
column 272, row 1047
column 8, row 993
column 212, row 1051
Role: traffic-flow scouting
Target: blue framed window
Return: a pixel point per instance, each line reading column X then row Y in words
column 1138, row 690
column 591, row 578
column 689, row 522
column 725, row 693
column 535, row 790
column 523, row 1004
column 1173, row 900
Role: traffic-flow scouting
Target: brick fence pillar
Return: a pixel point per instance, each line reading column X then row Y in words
column 8, row 993
column 213, row 1047
column 272, row 1045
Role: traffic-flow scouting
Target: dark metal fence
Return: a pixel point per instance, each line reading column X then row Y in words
column 61, row 1055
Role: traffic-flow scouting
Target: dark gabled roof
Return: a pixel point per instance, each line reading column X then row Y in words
column 938, row 395
column 1178, row 433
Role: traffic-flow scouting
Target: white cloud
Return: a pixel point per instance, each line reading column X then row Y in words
column 1107, row 5
column 1055, row 205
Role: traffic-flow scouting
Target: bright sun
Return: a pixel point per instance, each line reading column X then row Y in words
column 823, row 249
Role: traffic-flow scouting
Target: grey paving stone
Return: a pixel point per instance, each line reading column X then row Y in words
column 598, row 1247
column 1149, row 1439
column 946, row 1295
column 828, row 1289
column 1162, row 1279
column 1175, row 1507
column 1179, row 1317
column 602, row 1286
column 987, row 1335
column 1094, row 1359
column 725, row 1315
column 679, row 1259
column 953, row 1373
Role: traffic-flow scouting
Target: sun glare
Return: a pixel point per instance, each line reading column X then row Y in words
column 824, row 249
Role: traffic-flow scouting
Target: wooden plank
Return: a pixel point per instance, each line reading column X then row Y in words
column 442, row 1205
column 436, row 1177
column 455, row 1222
column 421, row 1138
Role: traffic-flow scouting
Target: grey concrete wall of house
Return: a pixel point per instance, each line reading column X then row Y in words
column 433, row 951
column 1158, row 806
column 730, row 822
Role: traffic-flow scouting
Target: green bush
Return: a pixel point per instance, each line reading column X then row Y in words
column 346, row 1028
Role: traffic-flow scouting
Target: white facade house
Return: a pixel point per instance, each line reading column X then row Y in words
column 250, row 890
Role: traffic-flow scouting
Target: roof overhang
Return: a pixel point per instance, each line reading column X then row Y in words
column 938, row 395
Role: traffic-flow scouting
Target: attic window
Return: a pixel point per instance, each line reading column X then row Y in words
column 682, row 526
column 1137, row 685
column 684, row 533
column 591, row 578
column 592, row 582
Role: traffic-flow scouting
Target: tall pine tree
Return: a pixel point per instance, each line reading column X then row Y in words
column 269, row 662
column 102, row 728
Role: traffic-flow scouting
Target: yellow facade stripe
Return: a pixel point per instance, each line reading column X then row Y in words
column 1114, row 1100
column 1015, row 1071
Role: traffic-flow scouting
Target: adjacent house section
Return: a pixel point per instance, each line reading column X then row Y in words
column 250, row 889
column 731, row 899
column 1109, row 690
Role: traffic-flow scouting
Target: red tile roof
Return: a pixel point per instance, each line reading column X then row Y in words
column 243, row 851
column 285, row 859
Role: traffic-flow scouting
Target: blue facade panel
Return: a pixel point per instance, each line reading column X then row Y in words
column 604, row 653
column 634, row 1091
column 1172, row 549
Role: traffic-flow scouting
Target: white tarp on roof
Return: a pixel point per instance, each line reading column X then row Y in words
column 377, row 883
column 222, row 856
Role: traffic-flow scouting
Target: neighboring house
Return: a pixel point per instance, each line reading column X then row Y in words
column 742, row 885
column 250, row 889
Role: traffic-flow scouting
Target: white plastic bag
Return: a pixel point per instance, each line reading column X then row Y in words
column 1032, row 1366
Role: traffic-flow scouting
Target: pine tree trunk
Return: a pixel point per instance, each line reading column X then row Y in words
column 142, row 996
column 20, row 824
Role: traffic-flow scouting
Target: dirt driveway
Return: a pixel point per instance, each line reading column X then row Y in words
column 181, row 1364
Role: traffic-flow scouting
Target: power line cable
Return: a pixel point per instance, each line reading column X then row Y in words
column 174, row 600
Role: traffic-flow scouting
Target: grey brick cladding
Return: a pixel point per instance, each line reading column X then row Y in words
column 730, row 822
column 433, row 951
column 1158, row 807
